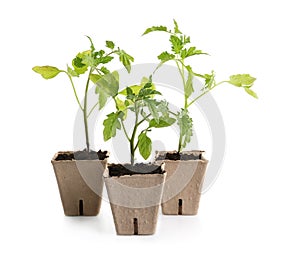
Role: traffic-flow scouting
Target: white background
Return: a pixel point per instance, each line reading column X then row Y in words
column 248, row 219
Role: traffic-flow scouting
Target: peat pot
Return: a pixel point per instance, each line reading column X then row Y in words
column 80, row 181
column 185, row 176
column 135, row 194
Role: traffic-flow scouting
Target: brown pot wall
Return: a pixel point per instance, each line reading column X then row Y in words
column 80, row 185
column 183, row 184
column 135, row 202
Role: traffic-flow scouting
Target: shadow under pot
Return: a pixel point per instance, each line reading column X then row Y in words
column 80, row 180
column 185, row 176
column 134, row 194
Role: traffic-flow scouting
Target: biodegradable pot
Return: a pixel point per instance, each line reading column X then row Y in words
column 184, row 181
column 135, row 200
column 80, row 184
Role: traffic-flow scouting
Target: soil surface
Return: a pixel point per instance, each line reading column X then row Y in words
column 176, row 156
column 117, row 170
column 82, row 155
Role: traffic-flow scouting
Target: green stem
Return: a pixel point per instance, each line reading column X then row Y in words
column 122, row 121
column 198, row 97
column 85, row 113
column 74, row 90
column 93, row 108
column 132, row 147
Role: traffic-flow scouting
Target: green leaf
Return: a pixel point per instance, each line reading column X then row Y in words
column 72, row 72
column 95, row 77
column 121, row 106
column 177, row 44
column 152, row 106
column 189, row 89
column 190, row 52
column 104, row 60
column 166, row 56
column 241, row 80
column 185, row 124
column 250, row 92
column 78, row 64
column 109, row 84
column 162, row 122
column 110, row 44
column 156, row 28
column 125, row 59
column 102, row 98
column 144, row 145
column 47, row 71
column 111, row 124
column 104, row 70
column 176, row 29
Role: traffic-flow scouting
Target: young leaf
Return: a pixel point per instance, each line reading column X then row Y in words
column 104, row 70
column 189, row 89
column 177, row 44
column 166, row 56
column 190, row 52
column 241, row 80
column 125, row 59
column 109, row 84
column 144, row 145
column 151, row 104
column 162, row 122
column 47, row 71
column 185, row 124
column 78, row 65
column 156, row 28
column 95, row 77
column 72, row 72
column 250, row 92
column 110, row 44
column 111, row 124
column 104, row 60
column 121, row 106
column 176, row 29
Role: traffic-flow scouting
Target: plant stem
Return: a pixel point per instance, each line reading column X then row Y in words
column 132, row 147
column 122, row 121
column 85, row 113
column 74, row 90
column 92, row 109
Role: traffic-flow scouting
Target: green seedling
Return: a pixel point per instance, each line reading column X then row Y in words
column 180, row 51
column 92, row 62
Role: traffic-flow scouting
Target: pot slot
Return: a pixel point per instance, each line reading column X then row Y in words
column 135, row 226
column 80, row 207
column 180, row 207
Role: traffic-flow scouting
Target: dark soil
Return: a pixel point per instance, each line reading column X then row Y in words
column 82, row 155
column 176, row 156
column 117, row 170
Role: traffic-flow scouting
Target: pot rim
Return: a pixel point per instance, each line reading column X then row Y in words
column 194, row 152
column 53, row 160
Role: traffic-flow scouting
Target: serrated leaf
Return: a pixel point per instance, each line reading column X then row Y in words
column 177, row 44
column 110, row 44
column 166, row 56
column 111, row 124
column 185, row 124
column 156, row 28
column 104, row 70
column 125, row 59
column 109, row 84
column 162, row 122
column 190, row 52
column 176, row 29
column 189, row 89
column 47, row 71
column 77, row 63
column 95, row 77
column 104, row 60
column 251, row 92
column 147, row 92
column 144, row 145
column 241, row 80
column 151, row 104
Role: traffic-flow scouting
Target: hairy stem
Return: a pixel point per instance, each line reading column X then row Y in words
column 74, row 90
